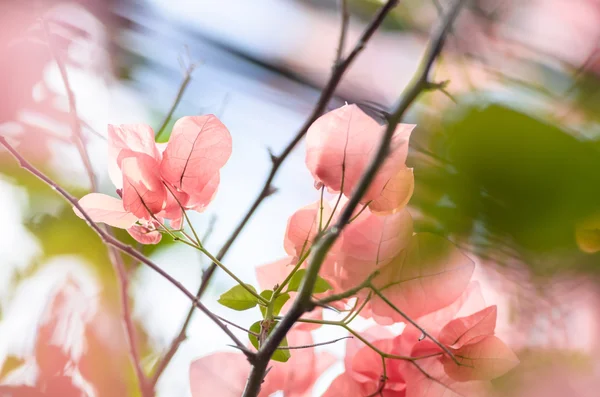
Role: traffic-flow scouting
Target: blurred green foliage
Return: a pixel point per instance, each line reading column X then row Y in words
column 512, row 184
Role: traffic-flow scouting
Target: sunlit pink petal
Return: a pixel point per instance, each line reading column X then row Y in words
column 393, row 180
column 138, row 138
column 471, row 329
column 198, row 147
column 175, row 200
column 343, row 136
column 144, row 235
column 484, row 360
column 200, row 199
column 428, row 275
column 469, row 302
column 339, row 146
column 220, row 374
column 361, row 362
column 345, row 386
column 106, row 209
column 437, row 383
column 274, row 273
column 370, row 242
column 395, row 193
column 303, row 226
column 143, row 190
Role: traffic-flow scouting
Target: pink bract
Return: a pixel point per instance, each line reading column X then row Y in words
column 156, row 181
column 339, row 146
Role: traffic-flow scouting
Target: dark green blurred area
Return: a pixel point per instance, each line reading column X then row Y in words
column 513, row 185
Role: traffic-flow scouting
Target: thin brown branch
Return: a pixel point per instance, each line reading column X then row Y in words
column 76, row 135
column 277, row 160
column 345, row 19
column 237, row 326
column 303, row 303
column 115, row 257
column 126, row 249
column 184, row 83
column 313, row 344
column 417, row 326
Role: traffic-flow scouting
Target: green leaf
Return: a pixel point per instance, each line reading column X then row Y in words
column 238, row 298
column 277, row 305
column 281, row 355
column 320, row 286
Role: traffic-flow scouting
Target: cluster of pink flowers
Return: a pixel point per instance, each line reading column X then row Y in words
column 423, row 275
column 157, row 181
column 418, row 276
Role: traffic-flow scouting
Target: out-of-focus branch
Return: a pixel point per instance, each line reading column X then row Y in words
column 338, row 71
column 184, row 83
column 122, row 247
column 114, row 254
column 76, row 135
column 303, row 301
column 345, row 19
column 117, row 261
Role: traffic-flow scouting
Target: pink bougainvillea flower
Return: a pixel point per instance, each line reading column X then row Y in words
column 369, row 243
column 155, row 180
column 471, row 340
column 428, row 275
column 225, row 374
column 364, row 368
column 471, row 329
column 486, row 359
column 339, row 146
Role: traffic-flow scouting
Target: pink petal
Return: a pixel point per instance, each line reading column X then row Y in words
column 471, row 329
column 176, row 223
column 393, row 174
column 324, row 361
column 298, row 374
column 428, row 275
column 303, row 226
column 138, row 138
column 143, row 190
column 345, row 386
column 369, row 242
column 274, row 273
column 396, row 192
column 220, row 374
column 198, row 147
column 469, row 302
column 344, row 135
column 144, row 235
column 175, row 199
column 362, row 363
column 105, row 209
column 484, row 360
column 200, row 199
column 438, row 384
column 339, row 146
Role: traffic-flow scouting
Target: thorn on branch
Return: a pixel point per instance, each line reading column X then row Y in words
column 431, row 86
column 274, row 158
column 270, row 191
